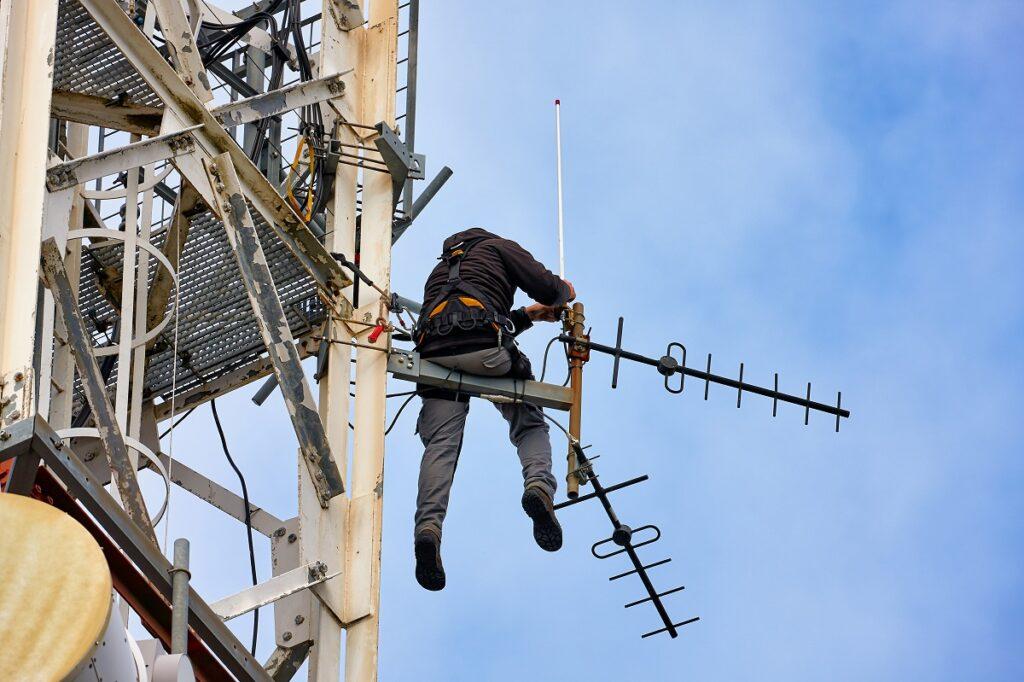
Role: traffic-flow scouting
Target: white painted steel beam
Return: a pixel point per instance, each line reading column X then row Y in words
column 289, row 98
column 218, row 496
column 97, row 111
column 62, row 371
column 78, row 171
column 269, row 591
column 323, row 532
column 108, row 426
column 378, row 65
column 27, row 31
column 182, row 47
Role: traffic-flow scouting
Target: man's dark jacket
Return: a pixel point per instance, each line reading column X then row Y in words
column 497, row 267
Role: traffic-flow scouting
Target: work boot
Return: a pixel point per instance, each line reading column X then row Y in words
column 538, row 506
column 429, row 571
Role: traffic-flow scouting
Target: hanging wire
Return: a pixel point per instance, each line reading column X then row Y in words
column 544, row 363
column 399, row 413
column 175, row 424
column 248, row 517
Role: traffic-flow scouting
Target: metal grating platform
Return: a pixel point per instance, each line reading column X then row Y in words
column 216, row 329
column 87, row 61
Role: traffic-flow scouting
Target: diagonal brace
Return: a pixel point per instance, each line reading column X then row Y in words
column 182, row 47
column 269, row 591
column 273, row 325
column 301, row 94
column 114, row 448
column 79, row 171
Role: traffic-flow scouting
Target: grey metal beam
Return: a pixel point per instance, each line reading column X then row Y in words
column 93, row 387
column 79, row 171
column 399, row 227
column 22, row 475
column 74, row 475
column 273, row 326
column 409, row 366
column 265, row 105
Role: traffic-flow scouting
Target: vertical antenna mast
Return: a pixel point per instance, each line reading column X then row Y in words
column 558, row 153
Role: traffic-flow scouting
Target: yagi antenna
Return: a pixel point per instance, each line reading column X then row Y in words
column 626, row 540
column 673, row 363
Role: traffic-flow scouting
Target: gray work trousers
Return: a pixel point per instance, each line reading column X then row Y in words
column 441, row 423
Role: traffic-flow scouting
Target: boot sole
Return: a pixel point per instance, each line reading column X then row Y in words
column 429, row 571
column 546, row 529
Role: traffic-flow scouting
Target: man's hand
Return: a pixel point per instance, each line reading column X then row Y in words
column 539, row 312
column 572, row 290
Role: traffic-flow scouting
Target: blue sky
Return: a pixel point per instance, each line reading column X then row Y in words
column 825, row 190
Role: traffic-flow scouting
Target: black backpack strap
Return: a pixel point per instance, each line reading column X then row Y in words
column 440, row 323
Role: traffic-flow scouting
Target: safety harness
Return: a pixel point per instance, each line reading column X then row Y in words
column 460, row 304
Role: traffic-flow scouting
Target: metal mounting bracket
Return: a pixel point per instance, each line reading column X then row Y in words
column 402, row 163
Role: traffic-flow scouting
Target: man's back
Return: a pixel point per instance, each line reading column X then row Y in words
column 496, row 267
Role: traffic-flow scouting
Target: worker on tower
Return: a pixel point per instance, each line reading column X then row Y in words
column 467, row 325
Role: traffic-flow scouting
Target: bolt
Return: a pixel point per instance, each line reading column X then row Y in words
column 299, row 620
column 18, row 376
column 292, row 537
column 90, row 457
column 287, row 636
column 279, row 532
column 14, row 415
column 4, row 435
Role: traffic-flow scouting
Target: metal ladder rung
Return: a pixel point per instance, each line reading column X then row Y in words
column 674, row 625
column 635, row 570
column 659, row 595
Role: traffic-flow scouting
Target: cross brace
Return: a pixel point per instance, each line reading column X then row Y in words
column 301, row 94
column 78, row 171
column 269, row 591
column 94, row 388
column 273, row 326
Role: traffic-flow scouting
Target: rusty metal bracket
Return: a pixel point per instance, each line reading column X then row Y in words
column 402, row 163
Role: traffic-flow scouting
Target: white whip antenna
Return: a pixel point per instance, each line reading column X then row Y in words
column 558, row 152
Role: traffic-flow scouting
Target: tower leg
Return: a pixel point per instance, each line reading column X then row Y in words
column 378, row 70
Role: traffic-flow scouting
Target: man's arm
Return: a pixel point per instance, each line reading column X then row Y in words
column 531, row 276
